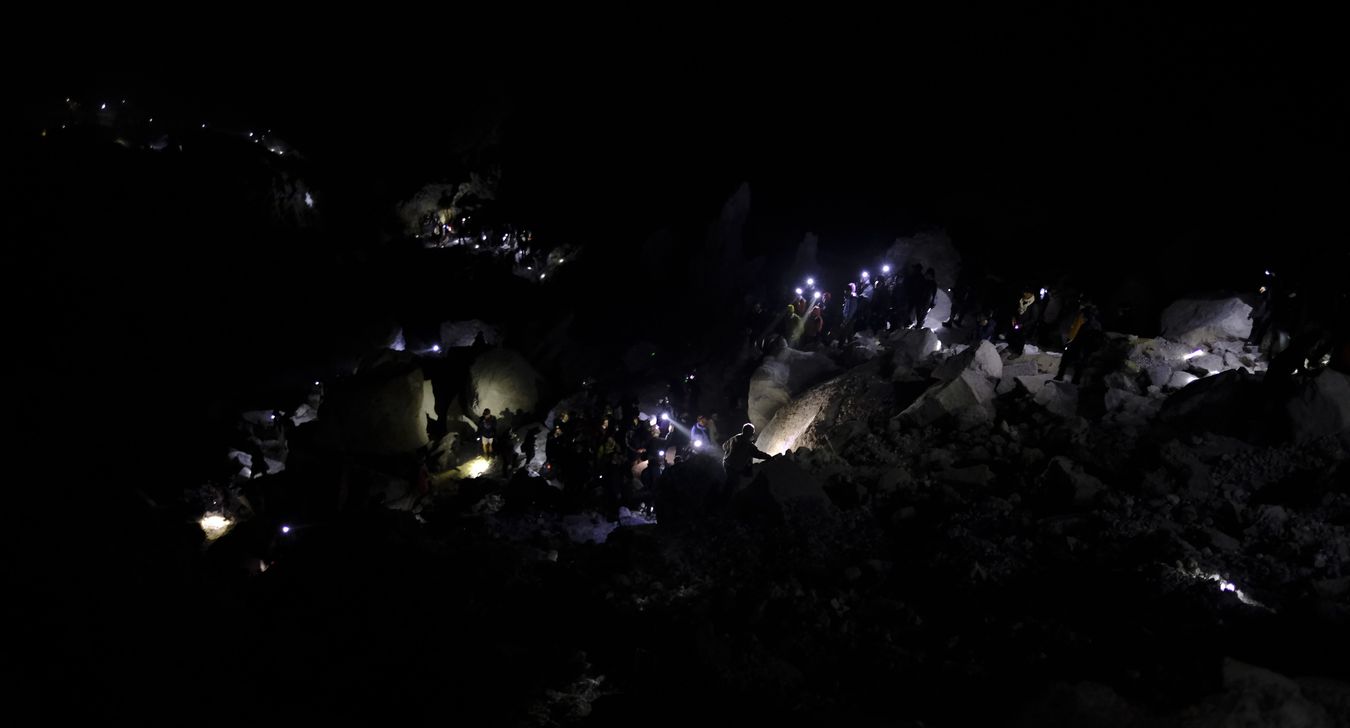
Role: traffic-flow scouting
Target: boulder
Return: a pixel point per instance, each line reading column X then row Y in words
column 1060, row 398
column 982, row 359
column 1195, row 321
column 912, row 347
column 383, row 413
column 1254, row 696
column 1130, row 407
column 784, row 493
column 1320, row 406
column 1221, row 403
column 780, row 377
column 501, row 378
column 688, row 489
column 971, row 394
column 1067, row 483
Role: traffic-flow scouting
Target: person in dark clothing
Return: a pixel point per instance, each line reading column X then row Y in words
column 656, row 459
column 1085, row 337
column 487, row 430
column 738, row 454
column 915, row 287
column 527, row 445
column 258, row 460
column 964, row 295
column 637, row 440
column 985, row 328
column 881, row 306
column 1260, row 316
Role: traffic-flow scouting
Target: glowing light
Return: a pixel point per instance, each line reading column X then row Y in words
column 799, row 291
column 436, row 348
column 485, row 236
column 864, row 274
column 316, row 384
column 541, row 276
column 810, row 281
column 478, row 466
column 285, row 529
column 561, row 261
column 698, row 443
column 1267, row 272
column 660, row 453
column 309, row 201
column 214, row 525
column 1192, row 355
column 665, row 416
column 104, row 106
column 653, row 419
column 817, row 295
column 250, row 135
column 1043, row 292
column 885, row 269
column 203, row 126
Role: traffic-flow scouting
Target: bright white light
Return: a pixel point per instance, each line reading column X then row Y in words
column 1267, row 272
column 285, row 529
column 864, row 275
column 1043, row 292
column 436, row 348
column 250, row 135
column 101, row 108
column 203, row 126
column 485, row 236
column 698, row 442
column 1192, row 355
column 541, row 276
column 316, row 384
column 214, row 526
column 478, row 466
column 799, row 291
column 665, row 416
column 661, row 453
column 885, row 269
column 810, row 281
column 561, row 261
column 309, row 201
column 817, row 295
column 653, row 419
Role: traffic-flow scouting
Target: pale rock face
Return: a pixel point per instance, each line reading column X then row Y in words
column 1195, row 321
column 501, row 378
column 782, row 376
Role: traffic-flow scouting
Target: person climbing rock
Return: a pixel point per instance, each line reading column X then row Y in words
column 487, row 431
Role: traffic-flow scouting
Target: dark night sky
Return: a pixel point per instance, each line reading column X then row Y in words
column 1045, row 128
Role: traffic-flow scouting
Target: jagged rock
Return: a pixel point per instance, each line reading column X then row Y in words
column 1123, row 381
column 970, row 395
column 1321, row 407
column 501, row 378
column 1060, row 398
column 1022, row 367
column 1132, row 408
column 1068, row 483
column 782, row 376
column 1254, row 696
column 1196, row 321
column 441, row 454
column 912, row 346
column 1208, row 362
column 378, row 414
column 1221, row 403
column 785, row 493
column 982, row 359
column 1220, row 540
column 896, row 479
column 978, row 475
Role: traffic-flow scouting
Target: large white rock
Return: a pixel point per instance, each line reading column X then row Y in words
column 1195, row 321
column 982, row 359
column 378, row 414
column 970, row 396
column 781, row 376
column 856, row 396
column 912, row 346
column 1060, row 398
column 501, row 378
column 1321, row 407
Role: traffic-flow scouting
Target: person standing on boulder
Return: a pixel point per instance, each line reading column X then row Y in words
column 487, row 430
column 740, row 453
